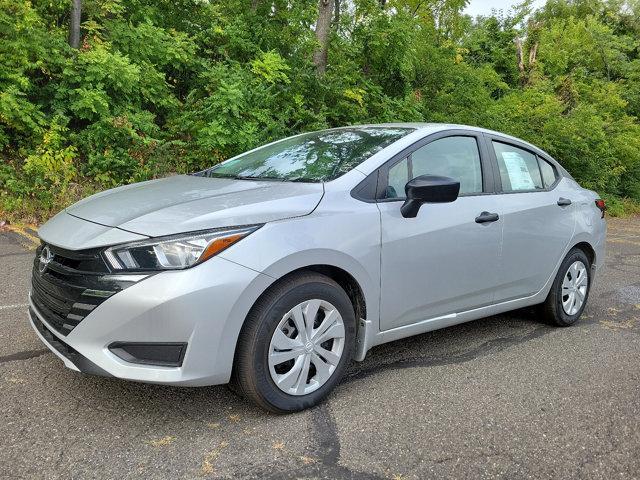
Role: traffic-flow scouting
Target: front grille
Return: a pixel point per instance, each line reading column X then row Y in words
column 70, row 286
column 82, row 363
column 61, row 347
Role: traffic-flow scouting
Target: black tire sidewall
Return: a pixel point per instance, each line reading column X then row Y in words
column 561, row 317
column 271, row 317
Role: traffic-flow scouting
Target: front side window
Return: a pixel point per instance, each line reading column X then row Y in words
column 455, row 157
column 519, row 170
column 311, row 157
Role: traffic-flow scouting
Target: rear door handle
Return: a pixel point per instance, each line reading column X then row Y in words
column 486, row 217
column 563, row 202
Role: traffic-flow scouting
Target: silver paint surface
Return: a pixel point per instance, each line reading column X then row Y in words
column 416, row 275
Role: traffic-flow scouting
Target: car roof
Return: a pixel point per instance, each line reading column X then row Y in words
column 429, row 127
column 422, row 129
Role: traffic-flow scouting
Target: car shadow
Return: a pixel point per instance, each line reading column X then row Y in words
column 451, row 345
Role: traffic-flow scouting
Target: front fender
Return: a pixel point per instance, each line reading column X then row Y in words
column 332, row 258
column 348, row 240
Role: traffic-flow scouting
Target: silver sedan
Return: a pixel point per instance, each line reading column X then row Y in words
column 277, row 268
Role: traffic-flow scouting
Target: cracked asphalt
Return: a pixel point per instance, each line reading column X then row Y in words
column 503, row 397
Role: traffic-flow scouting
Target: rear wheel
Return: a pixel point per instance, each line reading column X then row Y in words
column 570, row 290
column 296, row 343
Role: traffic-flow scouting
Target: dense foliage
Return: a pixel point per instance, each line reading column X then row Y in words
column 160, row 86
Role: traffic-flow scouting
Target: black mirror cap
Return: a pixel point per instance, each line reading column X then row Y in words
column 428, row 189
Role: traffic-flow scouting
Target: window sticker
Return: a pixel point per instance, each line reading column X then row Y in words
column 518, row 171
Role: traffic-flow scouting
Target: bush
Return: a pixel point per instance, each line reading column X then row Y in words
column 159, row 87
column 46, row 180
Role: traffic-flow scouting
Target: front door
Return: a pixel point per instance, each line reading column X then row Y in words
column 446, row 259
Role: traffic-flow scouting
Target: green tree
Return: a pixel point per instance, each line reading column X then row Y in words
column 163, row 86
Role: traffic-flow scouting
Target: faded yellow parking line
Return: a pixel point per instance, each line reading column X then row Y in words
column 15, row 305
column 621, row 240
column 614, row 228
column 623, row 234
column 22, row 235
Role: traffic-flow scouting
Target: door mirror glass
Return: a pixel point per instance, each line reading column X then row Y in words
column 428, row 189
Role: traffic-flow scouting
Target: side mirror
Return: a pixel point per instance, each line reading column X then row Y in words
column 428, row 189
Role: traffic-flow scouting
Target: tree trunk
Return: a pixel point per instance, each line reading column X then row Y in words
column 520, row 56
column 323, row 27
column 532, row 54
column 336, row 13
column 74, row 28
column 525, row 68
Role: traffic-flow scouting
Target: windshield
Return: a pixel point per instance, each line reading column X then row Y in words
column 311, row 157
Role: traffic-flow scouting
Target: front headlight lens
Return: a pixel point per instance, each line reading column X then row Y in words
column 176, row 251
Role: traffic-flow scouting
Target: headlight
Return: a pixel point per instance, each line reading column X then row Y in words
column 176, row 251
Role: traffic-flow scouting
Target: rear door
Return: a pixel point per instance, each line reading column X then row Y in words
column 446, row 259
column 538, row 214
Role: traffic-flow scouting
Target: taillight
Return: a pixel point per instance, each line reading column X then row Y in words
column 601, row 205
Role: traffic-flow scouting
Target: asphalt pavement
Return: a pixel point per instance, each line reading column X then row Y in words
column 501, row 397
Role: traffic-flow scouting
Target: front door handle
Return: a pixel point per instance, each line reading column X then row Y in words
column 486, row 217
column 563, row 202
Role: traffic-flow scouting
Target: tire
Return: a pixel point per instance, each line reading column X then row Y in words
column 557, row 308
column 259, row 346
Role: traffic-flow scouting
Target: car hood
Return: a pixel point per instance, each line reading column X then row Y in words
column 185, row 203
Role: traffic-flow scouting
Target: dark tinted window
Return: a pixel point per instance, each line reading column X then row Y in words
column 548, row 172
column 519, row 169
column 313, row 157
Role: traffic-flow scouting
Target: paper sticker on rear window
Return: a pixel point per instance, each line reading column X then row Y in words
column 518, row 171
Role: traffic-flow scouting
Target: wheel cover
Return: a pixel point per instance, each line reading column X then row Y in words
column 574, row 287
column 306, row 347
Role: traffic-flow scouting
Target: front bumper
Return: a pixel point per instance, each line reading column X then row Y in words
column 70, row 357
column 203, row 306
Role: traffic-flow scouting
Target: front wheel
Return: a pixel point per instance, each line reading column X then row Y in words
column 296, row 343
column 570, row 290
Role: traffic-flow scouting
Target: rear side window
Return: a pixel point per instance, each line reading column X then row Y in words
column 519, row 169
column 548, row 171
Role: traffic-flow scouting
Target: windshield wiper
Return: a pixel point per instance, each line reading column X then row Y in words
column 216, row 175
column 240, row 177
column 260, row 178
column 277, row 179
column 252, row 177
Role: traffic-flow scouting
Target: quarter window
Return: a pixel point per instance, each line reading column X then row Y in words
column 519, row 170
column 398, row 178
column 548, row 172
column 455, row 157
